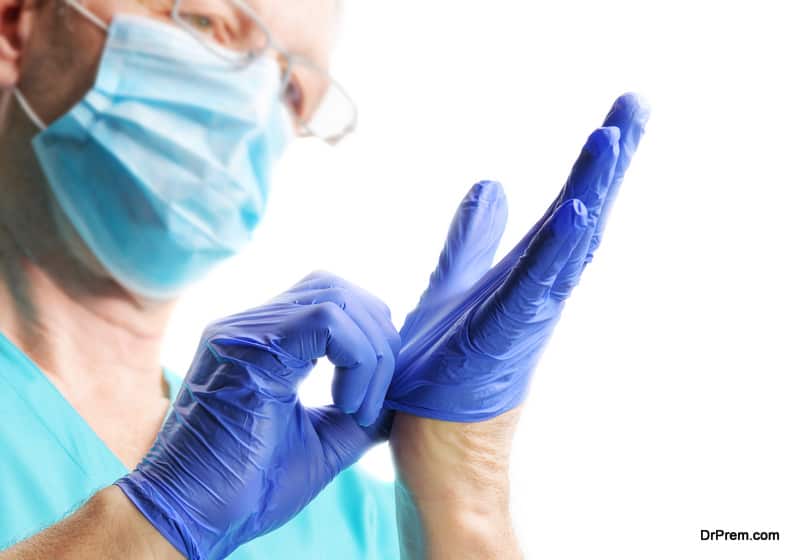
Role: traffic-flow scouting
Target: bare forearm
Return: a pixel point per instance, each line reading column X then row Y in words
column 107, row 527
column 452, row 491
column 457, row 529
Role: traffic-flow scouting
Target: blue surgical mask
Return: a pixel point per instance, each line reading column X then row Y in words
column 164, row 167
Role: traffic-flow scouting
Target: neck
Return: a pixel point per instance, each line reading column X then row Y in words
column 82, row 341
column 82, row 328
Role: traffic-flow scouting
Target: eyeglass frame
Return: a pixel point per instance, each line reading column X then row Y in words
column 290, row 58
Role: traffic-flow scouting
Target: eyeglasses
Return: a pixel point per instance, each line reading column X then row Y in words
column 236, row 33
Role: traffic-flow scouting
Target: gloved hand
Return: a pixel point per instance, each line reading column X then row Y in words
column 239, row 455
column 470, row 346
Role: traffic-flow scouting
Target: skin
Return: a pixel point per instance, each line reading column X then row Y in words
column 54, row 296
column 452, row 490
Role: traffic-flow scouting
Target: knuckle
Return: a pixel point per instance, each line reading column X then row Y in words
column 330, row 278
column 387, row 360
column 315, row 274
column 365, row 357
column 329, row 309
column 324, row 312
column 214, row 328
column 321, row 277
column 333, row 281
column 337, row 295
column 208, row 334
column 376, row 304
column 369, row 360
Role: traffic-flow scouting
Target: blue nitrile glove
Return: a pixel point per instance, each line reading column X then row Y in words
column 470, row 346
column 239, row 455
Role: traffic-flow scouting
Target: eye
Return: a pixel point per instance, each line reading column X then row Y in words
column 215, row 27
column 294, row 98
column 200, row 22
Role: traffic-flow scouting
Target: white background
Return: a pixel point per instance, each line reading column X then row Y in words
column 668, row 400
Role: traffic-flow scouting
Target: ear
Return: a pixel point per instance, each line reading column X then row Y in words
column 15, row 23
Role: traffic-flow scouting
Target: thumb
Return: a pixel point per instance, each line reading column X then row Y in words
column 343, row 440
column 472, row 241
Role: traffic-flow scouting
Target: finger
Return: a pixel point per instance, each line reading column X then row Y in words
column 591, row 179
column 372, row 403
column 472, row 240
column 592, row 173
column 629, row 114
column 354, row 301
column 373, row 318
column 372, row 400
column 380, row 314
column 511, row 311
column 345, row 344
column 321, row 280
column 586, row 181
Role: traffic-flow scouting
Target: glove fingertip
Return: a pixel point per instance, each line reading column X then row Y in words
column 602, row 139
column 487, row 191
column 630, row 107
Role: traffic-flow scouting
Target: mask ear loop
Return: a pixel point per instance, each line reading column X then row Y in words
column 84, row 11
column 29, row 110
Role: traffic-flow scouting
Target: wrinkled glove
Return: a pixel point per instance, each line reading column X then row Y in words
column 239, row 455
column 470, row 346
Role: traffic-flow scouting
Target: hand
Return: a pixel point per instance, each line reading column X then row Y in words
column 239, row 455
column 470, row 346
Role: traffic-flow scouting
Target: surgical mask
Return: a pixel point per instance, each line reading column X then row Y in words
column 164, row 167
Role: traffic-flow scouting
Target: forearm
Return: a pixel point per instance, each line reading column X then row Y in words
column 108, row 527
column 452, row 489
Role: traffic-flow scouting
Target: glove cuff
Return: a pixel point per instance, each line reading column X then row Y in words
column 147, row 499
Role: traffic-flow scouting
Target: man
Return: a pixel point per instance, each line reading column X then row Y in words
column 137, row 139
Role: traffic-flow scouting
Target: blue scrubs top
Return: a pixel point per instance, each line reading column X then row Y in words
column 51, row 462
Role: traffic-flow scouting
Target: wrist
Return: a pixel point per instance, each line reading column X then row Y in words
column 455, row 463
column 134, row 534
column 452, row 489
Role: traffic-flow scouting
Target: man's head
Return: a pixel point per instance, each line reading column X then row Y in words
column 50, row 51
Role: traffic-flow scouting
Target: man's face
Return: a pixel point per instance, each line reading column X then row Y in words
column 59, row 49
column 51, row 53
